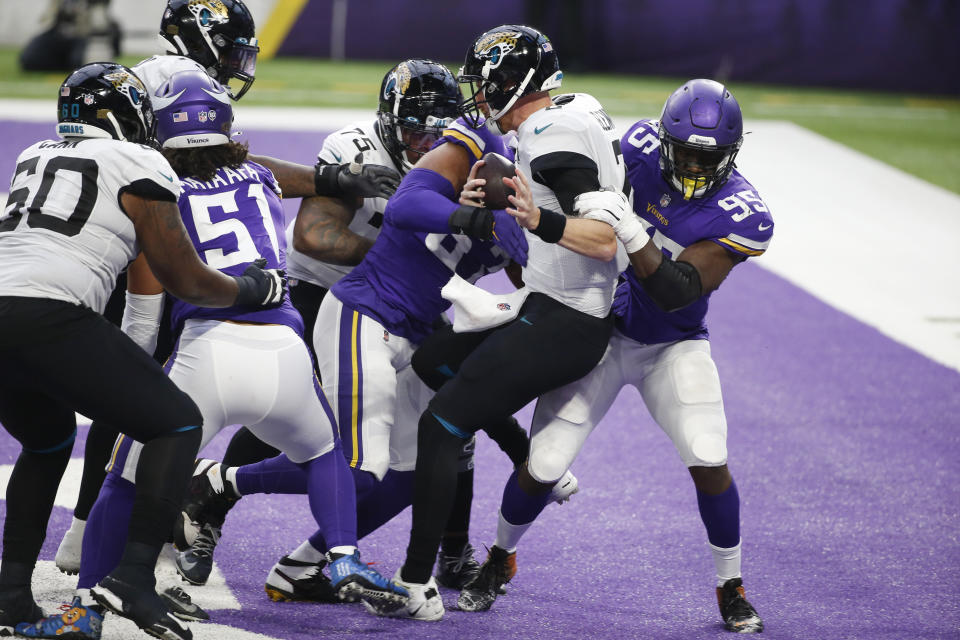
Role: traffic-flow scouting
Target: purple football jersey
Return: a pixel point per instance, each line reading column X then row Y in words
column 232, row 220
column 733, row 216
column 477, row 142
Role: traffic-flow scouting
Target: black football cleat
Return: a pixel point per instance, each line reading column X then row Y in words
column 738, row 615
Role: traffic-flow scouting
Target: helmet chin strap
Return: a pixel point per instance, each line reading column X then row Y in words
column 116, row 126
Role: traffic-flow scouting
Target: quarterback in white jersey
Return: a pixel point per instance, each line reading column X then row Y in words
column 78, row 212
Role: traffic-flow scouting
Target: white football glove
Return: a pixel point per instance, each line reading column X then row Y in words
column 613, row 208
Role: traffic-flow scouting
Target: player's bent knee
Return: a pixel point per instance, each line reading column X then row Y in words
column 549, row 464
column 708, row 450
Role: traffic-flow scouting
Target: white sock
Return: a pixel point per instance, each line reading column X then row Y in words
column 508, row 535
column 346, row 549
column 727, row 562
column 230, row 480
column 78, row 525
column 306, row 553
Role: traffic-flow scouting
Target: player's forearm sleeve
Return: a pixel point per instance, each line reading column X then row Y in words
column 673, row 285
column 141, row 319
column 423, row 202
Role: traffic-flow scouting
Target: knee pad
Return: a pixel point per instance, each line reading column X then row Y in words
column 548, row 463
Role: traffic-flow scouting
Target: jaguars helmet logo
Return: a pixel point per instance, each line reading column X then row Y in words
column 495, row 46
column 403, row 78
column 209, row 12
column 128, row 85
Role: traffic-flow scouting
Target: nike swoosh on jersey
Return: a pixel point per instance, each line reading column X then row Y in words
column 538, row 130
column 336, row 156
column 165, row 176
column 764, row 228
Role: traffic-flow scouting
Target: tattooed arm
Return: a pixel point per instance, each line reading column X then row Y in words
column 322, row 231
column 171, row 255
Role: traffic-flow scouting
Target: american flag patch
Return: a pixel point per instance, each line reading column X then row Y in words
column 180, row 116
column 64, row 91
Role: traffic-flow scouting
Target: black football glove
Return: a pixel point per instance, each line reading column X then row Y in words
column 355, row 179
column 259, row 287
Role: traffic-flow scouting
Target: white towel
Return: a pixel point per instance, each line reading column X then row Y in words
column 475, row 309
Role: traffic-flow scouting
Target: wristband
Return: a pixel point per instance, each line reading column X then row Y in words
column 551, row 226
column 325, row 181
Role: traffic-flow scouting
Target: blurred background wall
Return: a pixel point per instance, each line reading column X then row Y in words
column 895, row 45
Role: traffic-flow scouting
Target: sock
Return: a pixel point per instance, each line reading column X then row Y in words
column 106, row 530
column 518, row 506
column 364, row 482
column 333, row 500
column 246, row 448
column 721, row 516
column 511, row 438
column 306, row 552
column 31, row 492
column 96, row 454
column 508, row 535
column 275, row 475
column 434, row 489
column 388, row 497
column 727, row 562
column 343, row 550
column 455, row 532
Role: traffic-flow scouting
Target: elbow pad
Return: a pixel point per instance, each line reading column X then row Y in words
column 673, row 285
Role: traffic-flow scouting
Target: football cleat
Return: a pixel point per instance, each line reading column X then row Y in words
column 17, row 607
column 497, row 570
column 208, row 501
column 68, row 553
column 195, row 564
column 739, row 615
column 182, row 606
column 566, row 486
column 298, row 581
column 423, row 601
column 141, row 605
column 352, row 580
column 76, row 621
column 454, row 571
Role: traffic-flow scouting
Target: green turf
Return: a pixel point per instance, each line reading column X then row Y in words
column 919, row 134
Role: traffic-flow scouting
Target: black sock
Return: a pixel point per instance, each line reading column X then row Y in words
column 456, row 534
column 96, row 454
column 246, row 448
column 511, row 438
column 434, row 489
column 30, row 495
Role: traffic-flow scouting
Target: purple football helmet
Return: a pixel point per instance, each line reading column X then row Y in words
column 192, row 110
column 701, row 130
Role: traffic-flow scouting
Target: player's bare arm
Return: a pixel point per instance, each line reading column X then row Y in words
column 295, row 180
column 590, row 238
column 451, row 162
column 171, row 255
column 140, row 278
column 711, row 261
column 322, row 231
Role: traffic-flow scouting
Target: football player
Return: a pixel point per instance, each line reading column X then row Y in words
column 378, row 404
column 569, row 147
column 216, row 37
column 704, row 218
column 80, row 209
column 222, row 354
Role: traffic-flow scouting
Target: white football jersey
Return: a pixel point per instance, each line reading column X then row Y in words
column 156, row 70
column 63, row 234
column 576, row 124
column 339, row 147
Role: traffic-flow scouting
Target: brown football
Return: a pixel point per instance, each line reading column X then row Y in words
column 494, row 168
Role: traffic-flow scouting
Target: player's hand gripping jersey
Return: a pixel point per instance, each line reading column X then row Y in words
column 733, row 216
column 399, row 281
column 339, row 147
column 575, row 132
column 232, row 220
column 76, row 247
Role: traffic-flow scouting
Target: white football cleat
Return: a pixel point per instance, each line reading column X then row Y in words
column 566, row 486
column 423, row 603
column 68, row 553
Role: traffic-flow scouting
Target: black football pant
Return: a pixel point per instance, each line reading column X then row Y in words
column 547, row 346
column 57, row 358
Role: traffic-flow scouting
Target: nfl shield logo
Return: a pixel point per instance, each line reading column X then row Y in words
column 503, row 306
column 203, row 116
column 665, row 200
column 88, row 99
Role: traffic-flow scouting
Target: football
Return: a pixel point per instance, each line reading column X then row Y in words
column 494, row 168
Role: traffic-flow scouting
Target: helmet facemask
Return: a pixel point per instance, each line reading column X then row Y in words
column 695, row 166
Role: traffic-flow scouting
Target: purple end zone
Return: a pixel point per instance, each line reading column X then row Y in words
column 844, row 445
